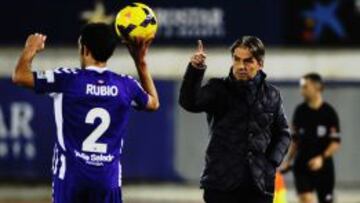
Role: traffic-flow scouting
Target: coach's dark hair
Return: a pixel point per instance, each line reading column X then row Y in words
column 100, row 39
column 316, row 78
column 254, row 44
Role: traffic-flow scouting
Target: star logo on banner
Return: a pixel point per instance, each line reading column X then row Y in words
column 322, row 16
column 98, row 15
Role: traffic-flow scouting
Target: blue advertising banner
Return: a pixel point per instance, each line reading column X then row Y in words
column 322, row 22
column 149, row 145
column 27, row 133
column 181, row 22
column 277, row 22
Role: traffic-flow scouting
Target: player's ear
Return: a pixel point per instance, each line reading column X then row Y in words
column 81, row 49
column 86, row 51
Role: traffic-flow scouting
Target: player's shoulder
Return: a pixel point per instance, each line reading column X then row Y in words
column 66, row 71
column 124, row 78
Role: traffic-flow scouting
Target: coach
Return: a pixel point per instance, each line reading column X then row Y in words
column 249, row 134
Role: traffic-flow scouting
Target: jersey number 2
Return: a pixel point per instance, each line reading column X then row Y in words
column 90, row 144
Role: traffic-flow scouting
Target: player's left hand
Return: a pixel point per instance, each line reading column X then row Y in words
column 138, row 49
column 316, row 163
column 35, row 43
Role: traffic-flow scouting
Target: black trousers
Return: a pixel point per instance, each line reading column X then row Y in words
column 240, row 195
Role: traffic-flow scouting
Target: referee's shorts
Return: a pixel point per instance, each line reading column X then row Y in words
column 322, row 182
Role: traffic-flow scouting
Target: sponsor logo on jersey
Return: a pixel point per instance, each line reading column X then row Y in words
column 94, row 159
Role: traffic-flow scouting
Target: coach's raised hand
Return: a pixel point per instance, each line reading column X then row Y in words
column 198, row 59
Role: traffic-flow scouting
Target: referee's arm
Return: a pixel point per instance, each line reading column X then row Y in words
column 334, row 144
column 281, row 137
column 334, row 136
column 331, row 149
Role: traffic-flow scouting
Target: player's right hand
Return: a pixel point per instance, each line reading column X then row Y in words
column 35, row 42
column 198, row 59
column 138, row 49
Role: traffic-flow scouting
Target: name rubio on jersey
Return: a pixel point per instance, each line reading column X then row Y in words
column 102, row 90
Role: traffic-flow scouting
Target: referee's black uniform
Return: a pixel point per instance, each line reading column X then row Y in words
column 314, row 130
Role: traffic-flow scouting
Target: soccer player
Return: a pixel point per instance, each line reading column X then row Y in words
column 249, row 134
column 316, row 139
column 91, row 107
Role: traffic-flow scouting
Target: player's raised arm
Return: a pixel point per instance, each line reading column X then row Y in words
column 23, row 74
column 138, row 49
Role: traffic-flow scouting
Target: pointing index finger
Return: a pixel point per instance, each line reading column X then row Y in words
column 200, row 47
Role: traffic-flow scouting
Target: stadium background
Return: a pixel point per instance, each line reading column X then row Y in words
column 166, row 148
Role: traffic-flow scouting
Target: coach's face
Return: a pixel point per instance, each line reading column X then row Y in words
column 245, row 66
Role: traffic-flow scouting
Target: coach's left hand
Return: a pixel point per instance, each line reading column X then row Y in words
column 316, row 163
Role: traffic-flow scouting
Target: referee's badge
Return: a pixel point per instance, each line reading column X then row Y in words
column 321, row 131
column 301, row 131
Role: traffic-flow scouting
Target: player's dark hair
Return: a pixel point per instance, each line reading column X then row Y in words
column 100, row 39
column 254, row 44
column 315, row 78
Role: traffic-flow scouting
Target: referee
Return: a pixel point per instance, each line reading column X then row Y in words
column 316, row 139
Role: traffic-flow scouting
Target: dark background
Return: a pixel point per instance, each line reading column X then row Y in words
column 277, row 22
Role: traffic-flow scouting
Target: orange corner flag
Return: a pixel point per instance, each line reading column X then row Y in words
column 280, row 189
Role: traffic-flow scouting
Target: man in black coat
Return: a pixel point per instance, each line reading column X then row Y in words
column 249, row 134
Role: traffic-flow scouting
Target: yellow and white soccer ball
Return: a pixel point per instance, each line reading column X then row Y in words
column 136, row 20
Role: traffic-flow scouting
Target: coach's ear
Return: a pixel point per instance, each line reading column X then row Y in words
column 261, row 63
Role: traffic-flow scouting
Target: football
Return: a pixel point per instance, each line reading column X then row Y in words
column 136, row 20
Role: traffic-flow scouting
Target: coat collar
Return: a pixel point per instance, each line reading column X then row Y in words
column 258, row 80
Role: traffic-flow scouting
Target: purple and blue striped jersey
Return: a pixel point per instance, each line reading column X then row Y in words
column 91, row 113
